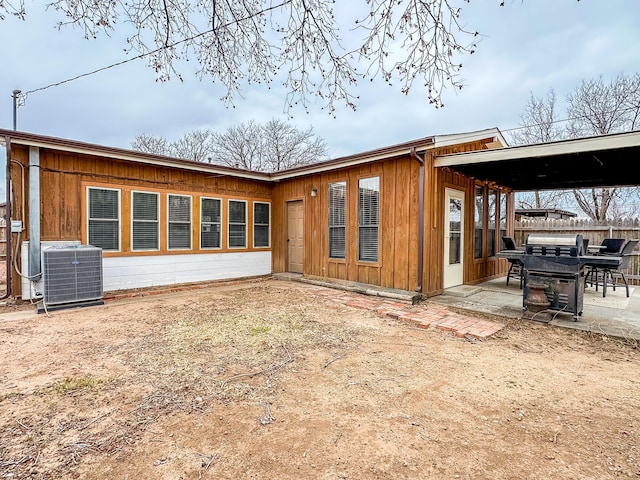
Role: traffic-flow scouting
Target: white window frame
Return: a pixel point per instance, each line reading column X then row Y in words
column 169, row 222
column 268, row 225
column 157, row 221
column 229, row 223
column 119, row 220
column 202, row 223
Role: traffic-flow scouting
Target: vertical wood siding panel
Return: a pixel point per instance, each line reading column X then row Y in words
column 401, row 238
column 278, row 230
column 412, row 260
column 374, row 275
column 363, row 273
column 315, row 220
column 51, row 203
column 352, row 225
column 71, row 208
column 323, row 219
column 431, row 207
column 310, row 262
column 387, row 227
column 341, row 271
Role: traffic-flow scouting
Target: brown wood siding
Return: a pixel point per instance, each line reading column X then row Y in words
column 399, row 191
column 436, row 180
column 396, row 266
column 64, row 177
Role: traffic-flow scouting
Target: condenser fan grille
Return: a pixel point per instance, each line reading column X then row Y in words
column 72, row 274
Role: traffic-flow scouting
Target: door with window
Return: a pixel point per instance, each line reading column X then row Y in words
column 453, row 238
column 295, row 236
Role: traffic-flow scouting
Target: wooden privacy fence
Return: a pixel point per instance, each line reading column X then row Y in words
column 596, row 232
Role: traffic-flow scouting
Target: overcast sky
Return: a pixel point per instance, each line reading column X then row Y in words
column 527, row 46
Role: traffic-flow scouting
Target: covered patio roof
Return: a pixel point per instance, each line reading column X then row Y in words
column 602, row 161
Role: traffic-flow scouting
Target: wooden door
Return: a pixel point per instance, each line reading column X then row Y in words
column 295, row 236
column 453, row 238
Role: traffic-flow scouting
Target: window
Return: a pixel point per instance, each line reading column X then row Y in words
column 145, row 229
column 503, row 217
column 179, row 227
column 261, row 219
column 492, row 208
column 104, row 218
column 210, row 223
column 478, row 222
column 237, row 224
column 337, row 219
column 368, row 217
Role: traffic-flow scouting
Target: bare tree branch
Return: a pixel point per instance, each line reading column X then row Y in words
column 594, row 108
column 273, row 146
column 317, row 49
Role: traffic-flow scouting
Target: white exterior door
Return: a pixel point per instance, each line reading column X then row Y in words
column 453, row 238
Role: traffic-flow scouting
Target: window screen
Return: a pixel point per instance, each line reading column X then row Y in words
column 237, row 224
column 145, row 232
column 104, row 218
column 478, row 222
column 179, row 228
column 261, row 219
column 368, row 218
column 503, row 216
column 337, row 219
column 492, row 208
column 210, row 223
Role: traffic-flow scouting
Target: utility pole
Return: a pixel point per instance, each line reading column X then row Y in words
column 15, row 108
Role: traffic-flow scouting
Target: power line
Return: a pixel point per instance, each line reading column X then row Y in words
column 23, row 95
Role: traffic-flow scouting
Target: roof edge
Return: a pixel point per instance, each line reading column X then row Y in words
column 43, row 141
column 574, row 145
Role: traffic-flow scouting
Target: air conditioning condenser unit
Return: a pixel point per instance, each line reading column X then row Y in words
column 72, row 276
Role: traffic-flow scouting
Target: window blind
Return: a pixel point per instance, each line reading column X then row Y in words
column 261, row 220
column 104, row 218
column 237, row 224
column 146, row 226
column 210, row 218
column 337, row 219
column 179, row 228
column 368, row 218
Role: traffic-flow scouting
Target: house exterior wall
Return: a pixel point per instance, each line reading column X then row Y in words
column 64, row 179
column 476, row 270
column 397, row 265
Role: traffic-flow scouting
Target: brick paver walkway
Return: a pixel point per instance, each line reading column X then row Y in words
column 422, row 316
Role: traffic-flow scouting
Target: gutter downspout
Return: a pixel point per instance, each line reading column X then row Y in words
column 35, row 272
column 7, row 218
column 420, row 219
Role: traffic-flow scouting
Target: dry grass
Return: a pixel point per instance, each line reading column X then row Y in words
column 215, row 348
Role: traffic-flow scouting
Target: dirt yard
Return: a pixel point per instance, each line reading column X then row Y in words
column 267, row 380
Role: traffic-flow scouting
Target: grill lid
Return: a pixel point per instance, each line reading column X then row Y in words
column 555, row 244
column 555, row 239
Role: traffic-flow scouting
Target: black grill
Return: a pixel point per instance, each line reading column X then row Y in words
column 558, row 263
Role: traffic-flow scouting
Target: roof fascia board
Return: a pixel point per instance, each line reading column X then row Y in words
column 453, row 139
column 563, row 147
column 348, row 162
column 41, row 141
column 108, row 152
